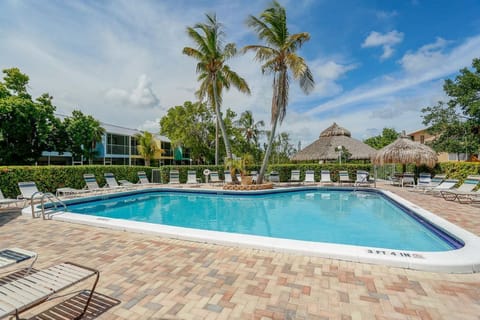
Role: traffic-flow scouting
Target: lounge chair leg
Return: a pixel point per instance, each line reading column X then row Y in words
column 92, row 291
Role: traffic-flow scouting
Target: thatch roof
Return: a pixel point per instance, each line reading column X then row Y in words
column 326, row 147
column 404, row 150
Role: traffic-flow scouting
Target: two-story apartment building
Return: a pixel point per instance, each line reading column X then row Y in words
column 423, row 137
column 117, row 147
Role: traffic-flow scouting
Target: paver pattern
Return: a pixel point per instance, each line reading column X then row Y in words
column 159, row 278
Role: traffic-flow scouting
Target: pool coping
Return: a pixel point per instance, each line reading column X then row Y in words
column 463, row 260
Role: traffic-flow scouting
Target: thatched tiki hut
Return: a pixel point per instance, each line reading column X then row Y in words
column 327, row 145
column 404, row 151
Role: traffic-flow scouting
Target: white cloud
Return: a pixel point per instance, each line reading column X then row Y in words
column 141, row 96
column 386, row 41
column 427, row 57
column 150, row 125
column 385, row 15
column 398, row 83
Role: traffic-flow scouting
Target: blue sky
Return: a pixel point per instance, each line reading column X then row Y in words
column 376, row 64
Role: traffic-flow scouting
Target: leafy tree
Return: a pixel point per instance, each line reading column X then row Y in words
column 147, row 146
column 378, row 142
column 192, row 126
column 456, row 123
column 251, row 131
column 27, row 127
column 214, row 74
column 278, row 56
column 85, row 132
column 282, row 148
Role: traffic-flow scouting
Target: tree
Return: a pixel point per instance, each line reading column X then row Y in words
column 214, row 74
column 279, row 58
column 282, row 149
column 456, row 123
column 249, row 133
column 378, row 142
column 147, row 146
column 192, row 126
column 85, row 132
column 27, row 126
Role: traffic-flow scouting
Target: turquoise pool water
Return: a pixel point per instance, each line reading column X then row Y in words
column 344, row 217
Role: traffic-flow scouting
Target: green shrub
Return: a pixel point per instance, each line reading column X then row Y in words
column 50, row 178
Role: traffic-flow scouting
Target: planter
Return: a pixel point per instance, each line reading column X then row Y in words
column 247, row 180
column 241, row 187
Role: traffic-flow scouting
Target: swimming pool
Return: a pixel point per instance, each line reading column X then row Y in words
column 334, row 216
column 368, row 226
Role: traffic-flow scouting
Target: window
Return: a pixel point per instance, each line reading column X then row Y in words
column 457, row 157
column 422, row 139
column 117, row 144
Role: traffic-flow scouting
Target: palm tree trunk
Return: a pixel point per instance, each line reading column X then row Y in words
column 278, row 101
column 220, row 120
column 268, row 152
column 216, row 141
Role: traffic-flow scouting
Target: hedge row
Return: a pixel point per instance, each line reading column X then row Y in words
column 50, row 178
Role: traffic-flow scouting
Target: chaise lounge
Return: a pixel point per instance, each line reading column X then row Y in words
column 21, row 293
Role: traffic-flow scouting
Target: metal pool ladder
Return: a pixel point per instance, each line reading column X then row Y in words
column 49, row 196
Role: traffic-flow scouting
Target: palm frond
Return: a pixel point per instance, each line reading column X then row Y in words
column 233, row 78
column 229, row 51
column 296, row 41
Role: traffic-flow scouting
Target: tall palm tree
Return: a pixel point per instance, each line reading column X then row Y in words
column 250, row 129
column 213, row 74
column 278, row 57
column 147, row 146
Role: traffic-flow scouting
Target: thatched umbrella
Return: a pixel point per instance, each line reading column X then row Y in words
column 404, row 150
column 326, row 146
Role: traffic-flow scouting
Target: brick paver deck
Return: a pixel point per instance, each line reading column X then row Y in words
column 159, row 278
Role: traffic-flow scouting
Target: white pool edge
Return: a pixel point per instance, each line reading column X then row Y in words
column 463, row 260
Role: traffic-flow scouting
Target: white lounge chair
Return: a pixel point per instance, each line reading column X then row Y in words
column 11, row 256
column 214, row 177
column 362, row 178
column 469, row 198
column 142, row 178
column 28, row 191
column 424, row 179
column 445, row 185
column 6, row 201
column 295, row 176
column 192, row 177
column 425, row 183
column 91, row 183
column 274, row 177
column 254, row 175
column 309, row 177
column 325, row 178
column 465, row 188
column 344, row 178
column 228, row 176
column 112, row 182
column 22, row 292
column 174, row 177
column 408, row 179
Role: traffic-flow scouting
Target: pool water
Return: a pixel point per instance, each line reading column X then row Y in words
column 344, row 217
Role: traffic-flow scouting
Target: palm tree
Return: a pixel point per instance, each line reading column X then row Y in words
column 250, row 129
column 97, row 132
column 147, row 146
column 213, row 74
column 278, row 57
